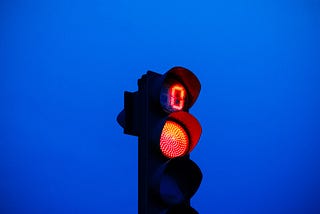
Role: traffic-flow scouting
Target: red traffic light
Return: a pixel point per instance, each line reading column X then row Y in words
column 179, row 135
column 158, row 113
column 174, row 140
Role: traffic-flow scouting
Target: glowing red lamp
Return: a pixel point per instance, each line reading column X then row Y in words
column 180, row 134
column 174, row 140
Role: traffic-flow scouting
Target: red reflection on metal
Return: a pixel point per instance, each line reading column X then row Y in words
column 177, row 97
column 174, row 140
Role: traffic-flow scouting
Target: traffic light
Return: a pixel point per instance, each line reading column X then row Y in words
column 158, row 113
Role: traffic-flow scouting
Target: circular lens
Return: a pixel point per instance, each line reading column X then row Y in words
column 173, row 96
column 174, row 140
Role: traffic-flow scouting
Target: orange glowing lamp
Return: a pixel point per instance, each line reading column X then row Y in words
column 174, row 140
column 179, row 135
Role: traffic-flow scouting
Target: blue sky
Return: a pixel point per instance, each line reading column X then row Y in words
column 65, row 64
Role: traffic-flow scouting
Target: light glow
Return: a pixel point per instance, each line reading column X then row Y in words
column 174, row 140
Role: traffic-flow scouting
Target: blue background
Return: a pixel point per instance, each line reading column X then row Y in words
column 64, row 65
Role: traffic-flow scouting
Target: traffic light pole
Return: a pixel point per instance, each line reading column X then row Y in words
column 143, row 100
column 146, row 161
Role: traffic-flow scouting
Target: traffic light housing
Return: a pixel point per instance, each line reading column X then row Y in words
column 158, row 113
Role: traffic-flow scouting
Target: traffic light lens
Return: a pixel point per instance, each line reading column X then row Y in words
column 173, row 96
column 174, row 140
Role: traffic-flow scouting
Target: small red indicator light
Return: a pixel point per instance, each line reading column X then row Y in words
column 173, row 96
column 177, row 97
column 174, row 140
